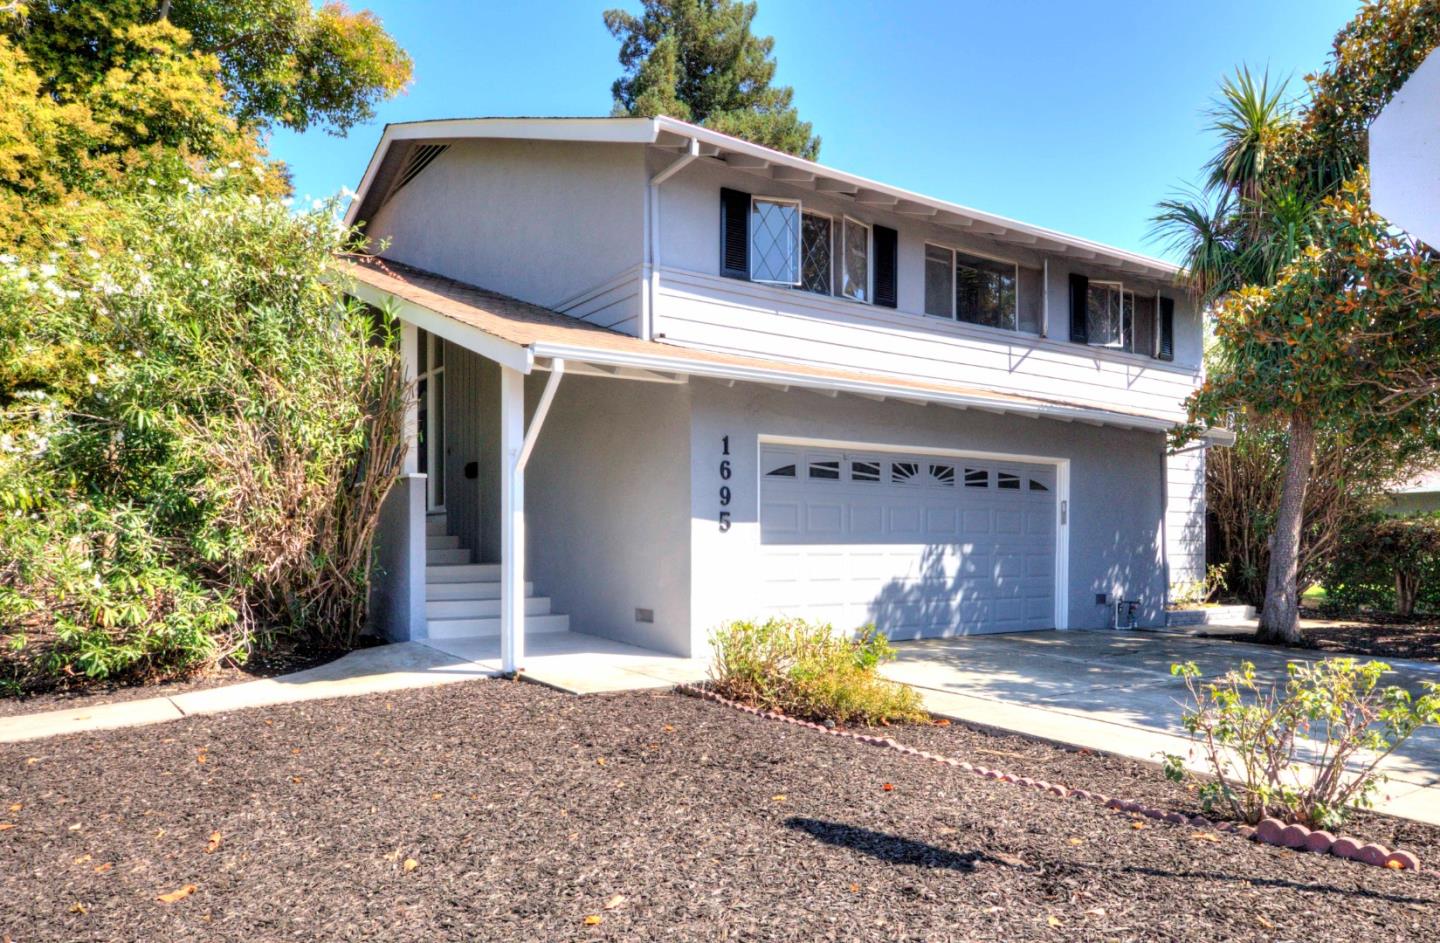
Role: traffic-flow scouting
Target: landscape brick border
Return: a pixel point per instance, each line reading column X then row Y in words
column 1269, row 831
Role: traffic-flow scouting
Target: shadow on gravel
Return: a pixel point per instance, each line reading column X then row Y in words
column 1303, row 886
column 889, row 848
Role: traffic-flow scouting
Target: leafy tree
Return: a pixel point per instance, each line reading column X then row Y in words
column 698, row 61
column 1324, row 316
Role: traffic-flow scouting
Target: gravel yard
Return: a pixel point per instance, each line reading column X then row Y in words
column 504, row 811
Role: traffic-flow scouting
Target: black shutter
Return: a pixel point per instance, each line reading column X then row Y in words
column 887, row 249
column 1079, row 308
column 1167, row 329
column 734, row 233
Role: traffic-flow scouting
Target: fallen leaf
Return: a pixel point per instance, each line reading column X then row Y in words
column 214, row 844
column 778, row 798
column 1054, row 921
column 437, row 796
column 269, row 723
column 1395, row 865
column 1264, row 923
column 31, row 760
column 16, row 807
column 942, row 721
column 75, row 827
column 1137, row 825
column 102, row 868
column 1077, row 841
column 77, row 908
column 946, row 830
column 411, row 864
column 1204, row 836
column 616, row 901
column 296, row 779
column 854, row 888
column 669, row 728
column 177, row 894
column 6, row 826
column 888, row 787
column 599, row 761
column 1096, row 912
column 593, row 920
column 393, row 856
column 82, row 859
column 1013, row 861
column 200, row 757
column 159, row 834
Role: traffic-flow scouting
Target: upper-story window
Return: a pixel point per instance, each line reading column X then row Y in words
column 776, row 241
column 971, row 288
column 1109, row 314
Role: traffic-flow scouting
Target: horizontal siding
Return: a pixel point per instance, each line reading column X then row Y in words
column 1185, row 516
column 614, row 304
column 739, row 317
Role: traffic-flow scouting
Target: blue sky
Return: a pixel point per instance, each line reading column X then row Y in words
column 1075, row 116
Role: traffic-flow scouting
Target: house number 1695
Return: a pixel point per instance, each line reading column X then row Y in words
column 724, row 488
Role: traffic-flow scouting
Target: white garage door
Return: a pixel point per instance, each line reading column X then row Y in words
column 920, row 545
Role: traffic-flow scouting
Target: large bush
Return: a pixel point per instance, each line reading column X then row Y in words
column 196, row 431
column 808, row 670
column 1390, row 563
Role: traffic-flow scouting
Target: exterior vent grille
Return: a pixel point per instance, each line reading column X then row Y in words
column 420, row 158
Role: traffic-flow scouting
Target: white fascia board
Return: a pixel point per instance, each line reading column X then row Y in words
column 516, row 356
column 782, row 377
column 1154, row 268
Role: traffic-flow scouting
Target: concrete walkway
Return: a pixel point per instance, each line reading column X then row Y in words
column 1113, row 691
column 581, row 664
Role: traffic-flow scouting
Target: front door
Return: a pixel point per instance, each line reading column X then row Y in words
column 430, row 434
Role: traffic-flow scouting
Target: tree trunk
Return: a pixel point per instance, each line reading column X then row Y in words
column 1407, row 586
column 1280, row 618
column 164, row 13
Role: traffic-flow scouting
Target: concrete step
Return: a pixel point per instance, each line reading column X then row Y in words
column 480, row 608
column 463, row 573
column 449, row 556
column 490, row 628
column 1209, row 615
column 436, row 525
column 441, row 542
column 490, row 590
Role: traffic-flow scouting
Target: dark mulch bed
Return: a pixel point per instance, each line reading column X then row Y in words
column 83, row 694
column 701, row 824
column 1376, row 637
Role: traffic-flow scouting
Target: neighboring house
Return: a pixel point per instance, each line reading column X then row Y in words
column 1419, row 495
column 1405, row 155
column 697, row 380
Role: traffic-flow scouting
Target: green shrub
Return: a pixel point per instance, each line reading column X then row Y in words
column 1390, row 563
column 196, row 432
column 807, row 670
column 1308, row 751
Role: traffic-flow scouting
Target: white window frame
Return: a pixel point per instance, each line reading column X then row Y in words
column 925, row 258
column 869, row 259
column 829, row 276
column 1120, row 293
column 955, row 253
column 799, row 238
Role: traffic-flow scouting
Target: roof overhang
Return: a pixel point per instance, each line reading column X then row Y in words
column 527, row 337
column 667, row 133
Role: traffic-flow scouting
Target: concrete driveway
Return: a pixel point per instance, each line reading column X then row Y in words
column 1113, row 691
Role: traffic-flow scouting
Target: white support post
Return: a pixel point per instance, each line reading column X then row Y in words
column 410, row 362
column 512, row 520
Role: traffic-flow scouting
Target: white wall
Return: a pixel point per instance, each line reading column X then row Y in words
column 696, row 306
column 1116, row 499
column 1185, row 516
column 607, row 493
column 553, row 223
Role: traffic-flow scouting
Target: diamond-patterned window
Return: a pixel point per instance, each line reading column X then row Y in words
column 816, row 252
column 864, row 471
column 1007, row 481
column 903, row 472
column 775, row 242
column 855, row 277
column 943, row 475
column 977, row 478
column 1104, row 317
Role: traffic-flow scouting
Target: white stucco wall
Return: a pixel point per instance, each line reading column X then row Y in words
column 554, row 223
column 1116, row 499
column 607, row 502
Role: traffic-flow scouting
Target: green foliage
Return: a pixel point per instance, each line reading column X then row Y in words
column 698, row 61
column 1388, row 562
column 184, row 426
column 807, row 670
column 1307, row 751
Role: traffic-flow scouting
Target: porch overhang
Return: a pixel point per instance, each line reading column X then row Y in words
column 526, row 337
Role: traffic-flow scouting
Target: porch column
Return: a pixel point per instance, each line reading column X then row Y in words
column 398, row 595
column 512, row 519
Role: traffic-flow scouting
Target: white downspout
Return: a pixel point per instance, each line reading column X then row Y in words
column 516, row 444
column 652, row 238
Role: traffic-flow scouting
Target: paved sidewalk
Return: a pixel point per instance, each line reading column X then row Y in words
column 1113, row 691
column 580, row 664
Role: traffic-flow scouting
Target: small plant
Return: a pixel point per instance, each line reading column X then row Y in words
column 1189, row 593
column 1307, row 752
column 807, row 670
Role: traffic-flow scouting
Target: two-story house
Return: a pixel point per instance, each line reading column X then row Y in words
column 669, row 378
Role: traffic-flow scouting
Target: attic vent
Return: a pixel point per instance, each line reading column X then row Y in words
column 420, row 158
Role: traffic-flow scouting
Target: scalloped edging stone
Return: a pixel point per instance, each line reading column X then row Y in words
column 1270, row 831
